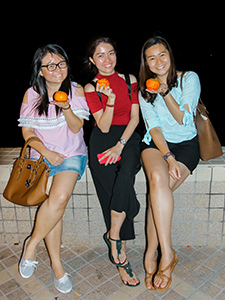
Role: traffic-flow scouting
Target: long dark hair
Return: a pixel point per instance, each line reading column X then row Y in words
column 146, row 73
column 91, row 48
column 38, row 82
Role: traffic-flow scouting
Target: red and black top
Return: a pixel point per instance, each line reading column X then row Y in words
column 122, row 109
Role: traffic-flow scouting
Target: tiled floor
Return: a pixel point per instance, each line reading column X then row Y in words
column 199, row 275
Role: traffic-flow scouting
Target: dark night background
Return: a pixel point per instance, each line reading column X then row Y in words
column 195, row 33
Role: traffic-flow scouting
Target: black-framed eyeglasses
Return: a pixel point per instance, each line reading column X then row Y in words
column 52, row 67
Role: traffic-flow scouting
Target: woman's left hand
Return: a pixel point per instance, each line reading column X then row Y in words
column 60, row 104
column 112, row 154
column 174, row 168
column 162, row 89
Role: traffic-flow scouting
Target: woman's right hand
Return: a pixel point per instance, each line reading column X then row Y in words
column 54, row 158
column 163, row 88
column 106, row 91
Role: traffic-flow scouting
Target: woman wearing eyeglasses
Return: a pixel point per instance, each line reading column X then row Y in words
column 59, row 127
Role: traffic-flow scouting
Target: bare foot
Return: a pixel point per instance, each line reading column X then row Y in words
column 150, row 265
column 163, row 277
column 128, row 276
column 121, row 258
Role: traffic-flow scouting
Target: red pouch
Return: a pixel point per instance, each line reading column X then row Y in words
column 102, row 162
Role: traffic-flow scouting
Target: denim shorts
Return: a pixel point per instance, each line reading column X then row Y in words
column 74, row 163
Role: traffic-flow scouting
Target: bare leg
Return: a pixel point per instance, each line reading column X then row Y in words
column 166, row 259
column 160, row 214
column 53, row 243
column 117, row 220
column 51, row 212
column 150, row 259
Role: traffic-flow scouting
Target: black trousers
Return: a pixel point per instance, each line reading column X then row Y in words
column 115, row 183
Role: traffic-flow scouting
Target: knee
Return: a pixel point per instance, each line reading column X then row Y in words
column 158, row 178
column 59, row 199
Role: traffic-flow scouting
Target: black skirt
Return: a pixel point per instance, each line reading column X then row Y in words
column 115, row 183
column 186, row 152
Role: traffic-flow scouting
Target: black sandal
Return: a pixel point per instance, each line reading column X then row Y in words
column 118, row 248
column 129, row 272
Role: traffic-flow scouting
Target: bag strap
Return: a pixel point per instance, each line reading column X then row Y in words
column 27, row 142
column 200, row 102
column 127, row 79
column 128, row 83
column 94, row 85
column 181, row 80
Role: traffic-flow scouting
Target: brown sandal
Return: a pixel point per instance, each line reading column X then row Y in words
column 160, row 272
column 148, row 275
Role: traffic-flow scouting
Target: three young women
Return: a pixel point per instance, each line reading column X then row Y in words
column 170, row 150
column 116, row 114
column 59, row 127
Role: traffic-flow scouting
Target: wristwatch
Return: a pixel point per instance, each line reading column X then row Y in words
column 167, row 155
column 164, row 94
column 123, row 142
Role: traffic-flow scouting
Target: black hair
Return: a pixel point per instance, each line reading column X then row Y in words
column 38, row 82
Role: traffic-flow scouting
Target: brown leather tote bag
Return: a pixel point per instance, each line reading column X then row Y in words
column 28, row 180
column 209, row 143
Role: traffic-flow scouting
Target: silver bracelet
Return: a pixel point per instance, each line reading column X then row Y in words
column 123, row 142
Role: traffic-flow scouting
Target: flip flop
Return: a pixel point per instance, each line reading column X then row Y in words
column 148, row 275
column 160, row 272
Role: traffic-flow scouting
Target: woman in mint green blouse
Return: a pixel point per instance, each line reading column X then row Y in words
column 170, row 150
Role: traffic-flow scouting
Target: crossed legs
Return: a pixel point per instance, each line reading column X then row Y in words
column 160, row 213
column 48, row 223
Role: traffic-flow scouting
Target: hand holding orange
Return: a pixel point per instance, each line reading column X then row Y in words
column 152, row 84
column 60, row 96
column 102, row 82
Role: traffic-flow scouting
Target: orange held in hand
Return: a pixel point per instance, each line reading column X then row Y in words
column 152, row 84
column 102, row 82
column 60, row 96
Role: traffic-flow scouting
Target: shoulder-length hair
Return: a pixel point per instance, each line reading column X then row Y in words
column 91, row 48
column 38, row 82
column 146, row 73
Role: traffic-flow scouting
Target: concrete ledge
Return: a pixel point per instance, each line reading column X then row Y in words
column 198, row 216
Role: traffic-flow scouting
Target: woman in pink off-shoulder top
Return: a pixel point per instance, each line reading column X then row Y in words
column 59, row 127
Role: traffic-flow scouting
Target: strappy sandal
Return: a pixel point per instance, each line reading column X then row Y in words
column 129, row 272
column 160, row 272
column 118, row 248
column 148, row 275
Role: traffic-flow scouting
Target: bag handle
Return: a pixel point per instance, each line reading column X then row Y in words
column 27, row 142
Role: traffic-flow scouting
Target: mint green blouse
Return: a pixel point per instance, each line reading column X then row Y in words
column 158, row 114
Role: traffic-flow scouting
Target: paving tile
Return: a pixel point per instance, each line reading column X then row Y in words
column 184, row 289
column 18, row 294
column 199, row 275
column 210, row 289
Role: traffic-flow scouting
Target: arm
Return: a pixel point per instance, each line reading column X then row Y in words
column 103, row 118
column 114, row 152
column 160, row 142
column 74, row 123
column 171, row 103
column 174, row 108
column 183, row 111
